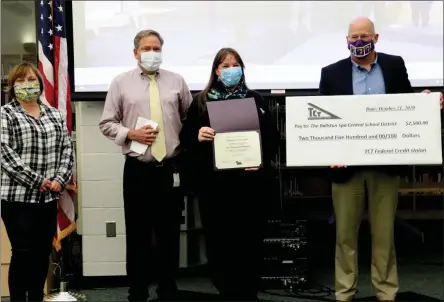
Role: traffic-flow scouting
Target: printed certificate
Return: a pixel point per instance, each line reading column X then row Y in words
column 234, row 150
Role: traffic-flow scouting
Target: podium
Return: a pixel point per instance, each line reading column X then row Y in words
column 6, row 259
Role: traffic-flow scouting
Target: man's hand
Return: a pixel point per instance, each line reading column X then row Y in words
column 145, row 135
column 251, row 169
column 338, row 166
column 55, row 186
column 45, row 185
column 441, row 99
column 206, row 134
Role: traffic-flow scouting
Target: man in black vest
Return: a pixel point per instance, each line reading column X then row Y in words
column 365, row 72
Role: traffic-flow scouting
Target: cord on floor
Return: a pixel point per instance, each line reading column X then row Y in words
column 317, row 292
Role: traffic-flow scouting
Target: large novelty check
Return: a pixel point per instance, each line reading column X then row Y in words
column 385, row 129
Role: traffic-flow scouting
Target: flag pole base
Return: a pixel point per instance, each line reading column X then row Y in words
column 64, row 295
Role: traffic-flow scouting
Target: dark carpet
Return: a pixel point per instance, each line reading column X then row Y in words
column 406, row 296
column 420, row 267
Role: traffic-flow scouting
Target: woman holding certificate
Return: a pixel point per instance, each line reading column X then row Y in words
column 233, row 198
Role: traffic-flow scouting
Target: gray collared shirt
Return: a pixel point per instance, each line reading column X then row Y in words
column 128, row 98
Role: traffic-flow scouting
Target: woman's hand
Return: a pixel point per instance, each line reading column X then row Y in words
column 206, row 134
column 55, row 186
column 45, row 185
column 52, row 185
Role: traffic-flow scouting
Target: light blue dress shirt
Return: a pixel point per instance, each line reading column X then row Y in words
column 368, row 82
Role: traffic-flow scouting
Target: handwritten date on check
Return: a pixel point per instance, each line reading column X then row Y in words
column 403, row 129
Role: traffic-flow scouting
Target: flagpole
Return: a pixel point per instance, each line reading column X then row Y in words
column 64, row 294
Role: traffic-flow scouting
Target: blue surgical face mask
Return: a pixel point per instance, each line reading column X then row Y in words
column 231, row 76
column 151, row 60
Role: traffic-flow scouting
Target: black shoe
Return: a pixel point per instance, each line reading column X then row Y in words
column 137, row 296
column 239, row 298
column 168, row 295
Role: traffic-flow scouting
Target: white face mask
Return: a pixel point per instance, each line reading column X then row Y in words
column 151, row 60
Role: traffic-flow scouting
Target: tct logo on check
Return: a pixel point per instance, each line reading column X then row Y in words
column 317, row 113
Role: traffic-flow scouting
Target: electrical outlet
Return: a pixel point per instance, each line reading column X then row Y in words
column 111, row 230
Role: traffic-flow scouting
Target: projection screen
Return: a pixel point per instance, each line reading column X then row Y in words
column 284, row 43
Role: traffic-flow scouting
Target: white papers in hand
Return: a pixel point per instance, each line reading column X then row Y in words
column 136, row 146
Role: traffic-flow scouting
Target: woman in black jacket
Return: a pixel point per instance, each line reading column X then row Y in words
column 233, row 203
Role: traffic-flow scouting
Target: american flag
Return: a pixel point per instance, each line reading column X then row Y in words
column 53, row 64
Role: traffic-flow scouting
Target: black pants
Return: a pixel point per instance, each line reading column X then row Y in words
column 232, row 214
column 31, row 228
column 153, row 207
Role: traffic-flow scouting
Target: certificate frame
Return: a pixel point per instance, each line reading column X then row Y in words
column 232, row 116
column 239, row 166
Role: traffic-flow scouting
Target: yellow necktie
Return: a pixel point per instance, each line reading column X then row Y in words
column 158, row 148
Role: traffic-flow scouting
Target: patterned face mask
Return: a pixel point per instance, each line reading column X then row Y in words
column 27, row 92
column 361, row 48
